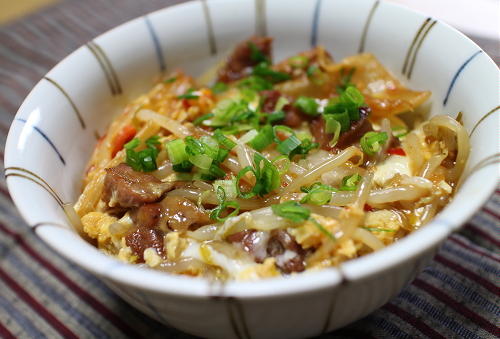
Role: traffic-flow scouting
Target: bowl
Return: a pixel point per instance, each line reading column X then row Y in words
column 57, row 126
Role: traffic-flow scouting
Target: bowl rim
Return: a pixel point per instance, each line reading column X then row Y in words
column 410, row 247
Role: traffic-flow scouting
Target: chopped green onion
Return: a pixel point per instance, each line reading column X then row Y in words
column 201, row 161
column 267, row 177
column 342, row 118
column 210, row 145
column 304, row 148
column 190, row 94
column 317, row 194
column 298, row 61
column 399, row 131
column 221, row 196
column 248, row 136
column 288, row 145
column 322, row 229
column 284, row 129
column 350, row 182
column 241, row 174
column 176, row 150
column 349, row 101
column 372, row 142
column 255, row 83
column 352, row 94
column 376, row 229
column 229, row 187
column 216, row 212
column 184, row 166
column 334, row 127
column 291, row 210
column 316, row 75
column 132, row 143
column 282, row 163
column 219, row 87
column 264, row 138
column 143, row 160
column 275, row 117
column 193, row 146
column 170, row 80
column 303, row 135
column 228, row 111
column 307, row 105
column 256, row 55
column 153, row 141
column 345, row 80
column 214, row 172
column 202, row 118
column 311, row 70
column 221, row 155
column 223, row 140
column 263, row 70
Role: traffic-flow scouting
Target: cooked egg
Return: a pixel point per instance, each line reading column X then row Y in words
column 395, row 164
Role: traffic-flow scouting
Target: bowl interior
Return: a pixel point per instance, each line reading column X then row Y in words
column 57, row 126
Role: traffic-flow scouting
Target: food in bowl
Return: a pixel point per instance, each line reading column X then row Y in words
column 271, row 169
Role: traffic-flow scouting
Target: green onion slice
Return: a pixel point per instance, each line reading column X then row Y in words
column 282, row 163
column 317, row 194
column 220, row 87
column 322, row 229
column 372, row 142
column 350, row 182
column 332, row 126
column 202, row 118
column 307, row 105
column 291, row 210
column 288, row 145
column 264, row 138
column 176, row 150
column 298, row 61
column 223, row 140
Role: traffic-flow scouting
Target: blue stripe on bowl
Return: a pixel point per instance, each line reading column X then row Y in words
column 315, row 23
column 45, row 137
column 455, row 77
column 156, row 43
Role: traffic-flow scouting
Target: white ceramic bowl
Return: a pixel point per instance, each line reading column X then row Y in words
column 54, row 131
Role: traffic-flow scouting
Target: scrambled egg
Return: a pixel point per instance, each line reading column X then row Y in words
column 174, row 245
column 258, row 271
column 96, row 225
column 395, row 164
column 386, row 221
column 151, row 257
column 309, row 235
column 348, row 249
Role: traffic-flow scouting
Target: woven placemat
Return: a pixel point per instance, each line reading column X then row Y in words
column 44, row 295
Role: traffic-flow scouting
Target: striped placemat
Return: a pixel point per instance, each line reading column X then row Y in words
column 44, row 296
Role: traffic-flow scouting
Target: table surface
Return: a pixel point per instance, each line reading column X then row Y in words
column 44, row 295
